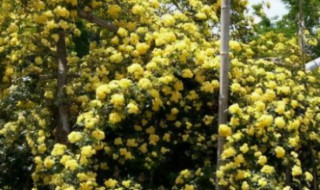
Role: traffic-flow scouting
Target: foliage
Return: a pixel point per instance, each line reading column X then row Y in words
column 142, row 100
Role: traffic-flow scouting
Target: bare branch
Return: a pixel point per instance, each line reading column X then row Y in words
column 98, row 21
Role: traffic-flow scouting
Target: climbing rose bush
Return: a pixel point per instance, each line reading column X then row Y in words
column 143, row 100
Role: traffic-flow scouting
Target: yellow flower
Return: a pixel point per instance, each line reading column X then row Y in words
column 135, row 69
column 187, row 73
column 125, row 83
column 164, row 150
column 122, row 32
column 309, row 176
column 82, row 176
column 116, row 57
column 235, row 109
column 207, row 87
column 98, row 134
column 153, row 139
column 118, row 141
column 144, row 148
column 138, row 10
column 90, row 122
column 168, row 20
column 132, row 108
column 102, row 91
column 244, row 148
column 74, row 137
column 241, row 174
column 154, row 3
column 48, row 94
column 127, row 154
column 58, row 149
column 225, row 130
column 9, row 71
column 117, row 100
column 61, row 11
column 227, row 153
column 166, row 137
column 142, row 48
column 281, row 107
column 201, row 16
column 114, row 10
column 262, row 160
column 245, row 186
column 207, row 120
column 132, row 143
column 279, row 121
column 296, row 170
column 235, row 87
column 71, row 164
column 234, row 121
column 48, row 162
column 294, row 141
column 239, row 159
column 280, row 152
column 260, row 106
column 87, row 151
column 234, row 45
column 13, row 28
column 126, row 183
column 267, row 169
column 262, row 182
column 111, row 183
column 188, row 187
column 64, row 159
column 144, row 83
column 114, row 117
column 185, row 173
column 38, row 60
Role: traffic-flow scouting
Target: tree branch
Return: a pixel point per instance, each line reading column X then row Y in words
column 98, row 21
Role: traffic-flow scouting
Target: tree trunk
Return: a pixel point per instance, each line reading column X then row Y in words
column 224, row 68
column 63, row 129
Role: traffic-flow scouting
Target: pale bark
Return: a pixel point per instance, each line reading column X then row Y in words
column 63, row 128
column 224, row 68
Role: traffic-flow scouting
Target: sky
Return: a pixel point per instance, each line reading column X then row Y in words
column 277, row 7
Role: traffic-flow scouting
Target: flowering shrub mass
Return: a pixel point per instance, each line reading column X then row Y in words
column 142, row 100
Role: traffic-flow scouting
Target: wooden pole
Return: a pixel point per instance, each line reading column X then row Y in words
column 224, row 83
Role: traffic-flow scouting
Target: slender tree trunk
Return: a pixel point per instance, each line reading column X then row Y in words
column 224, row 68
column 63, row 129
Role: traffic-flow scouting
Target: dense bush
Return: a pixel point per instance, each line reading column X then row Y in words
column 143, row 101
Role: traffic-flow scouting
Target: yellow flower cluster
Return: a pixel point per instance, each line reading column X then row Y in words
column 270, row 122
column 145, row 100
